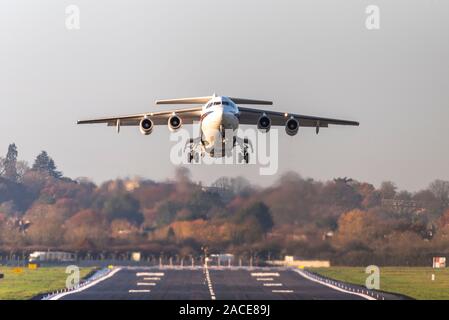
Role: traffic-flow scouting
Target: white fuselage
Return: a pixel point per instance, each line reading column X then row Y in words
column 219, row 122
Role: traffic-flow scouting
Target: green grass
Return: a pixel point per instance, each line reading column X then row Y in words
column 29, row 283
column 415, row 282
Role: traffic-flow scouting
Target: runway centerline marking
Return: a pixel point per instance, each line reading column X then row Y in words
column 146, row 283
column 209, row 282
column 282, row 291
column 152, row 279
column 139, row 291
column 264, row 279
column 272, row 284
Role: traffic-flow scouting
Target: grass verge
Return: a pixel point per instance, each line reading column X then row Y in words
column 415, row 282
column 21, row 284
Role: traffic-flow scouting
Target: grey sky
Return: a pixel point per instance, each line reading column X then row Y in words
column 311, row 57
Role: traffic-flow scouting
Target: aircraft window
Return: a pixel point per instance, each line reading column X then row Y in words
column 217, row 103
column 209, row 105
column 225, row 103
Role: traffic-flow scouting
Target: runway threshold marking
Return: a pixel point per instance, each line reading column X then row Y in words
column 139, row 291
column 152, row 279
column 282, row 291
column 272, row 284
column 146, row 283
column 265, row 274
column 264, row 279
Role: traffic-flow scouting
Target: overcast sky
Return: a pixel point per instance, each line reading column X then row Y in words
column 312, row 57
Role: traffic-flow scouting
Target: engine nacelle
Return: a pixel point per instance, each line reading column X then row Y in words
column 174, row 122
column 292, row 126
column 264, row 123
column 146, row 126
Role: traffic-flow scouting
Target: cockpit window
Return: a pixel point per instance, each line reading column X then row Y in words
column 217, row 103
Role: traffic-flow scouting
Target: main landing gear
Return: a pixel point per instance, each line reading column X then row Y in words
column 244, row 144
column 193, row 155
column 243, row 156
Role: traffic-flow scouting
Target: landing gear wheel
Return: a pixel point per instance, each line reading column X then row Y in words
column 246, row 157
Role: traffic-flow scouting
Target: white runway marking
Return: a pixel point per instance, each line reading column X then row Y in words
column 272, row 284
column 151, row 279
column 264, row 279
column 265, row 274
column 282, row 291
column 303, row 274
column 139, row 291
column 91, row 284
column 146, row 283
column 150, row 274
column 209, row 282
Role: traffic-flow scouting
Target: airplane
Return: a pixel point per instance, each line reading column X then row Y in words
column 217, row 116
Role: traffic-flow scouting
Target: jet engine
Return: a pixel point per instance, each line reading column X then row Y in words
column 174, row 123
column 292, row 126
column 146, row 126
column 264, row 123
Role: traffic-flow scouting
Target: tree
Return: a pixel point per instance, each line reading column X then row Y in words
column 388, row 190
column 360, row 227
column 123, row 206
column 45, row 164
column 86, row 229
column 440, row 189
column 10, row 163
column 260, row 213
column 235, row 185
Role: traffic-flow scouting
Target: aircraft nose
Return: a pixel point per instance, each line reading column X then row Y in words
column 219, row 113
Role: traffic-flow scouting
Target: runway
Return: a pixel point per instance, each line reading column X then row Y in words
column 135, row 283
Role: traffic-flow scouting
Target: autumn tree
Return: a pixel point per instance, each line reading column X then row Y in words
column 388, row 190
column 46, row 225
column 258, row 213
column 123, row 206
column 87, row 229
column 360, row 227
column 440, row 189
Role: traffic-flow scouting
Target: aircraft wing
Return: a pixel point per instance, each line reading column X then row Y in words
column 251, row 116
column 188, row 116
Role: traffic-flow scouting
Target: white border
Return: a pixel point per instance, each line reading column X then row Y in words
column 367, row 297
column 91, row 284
